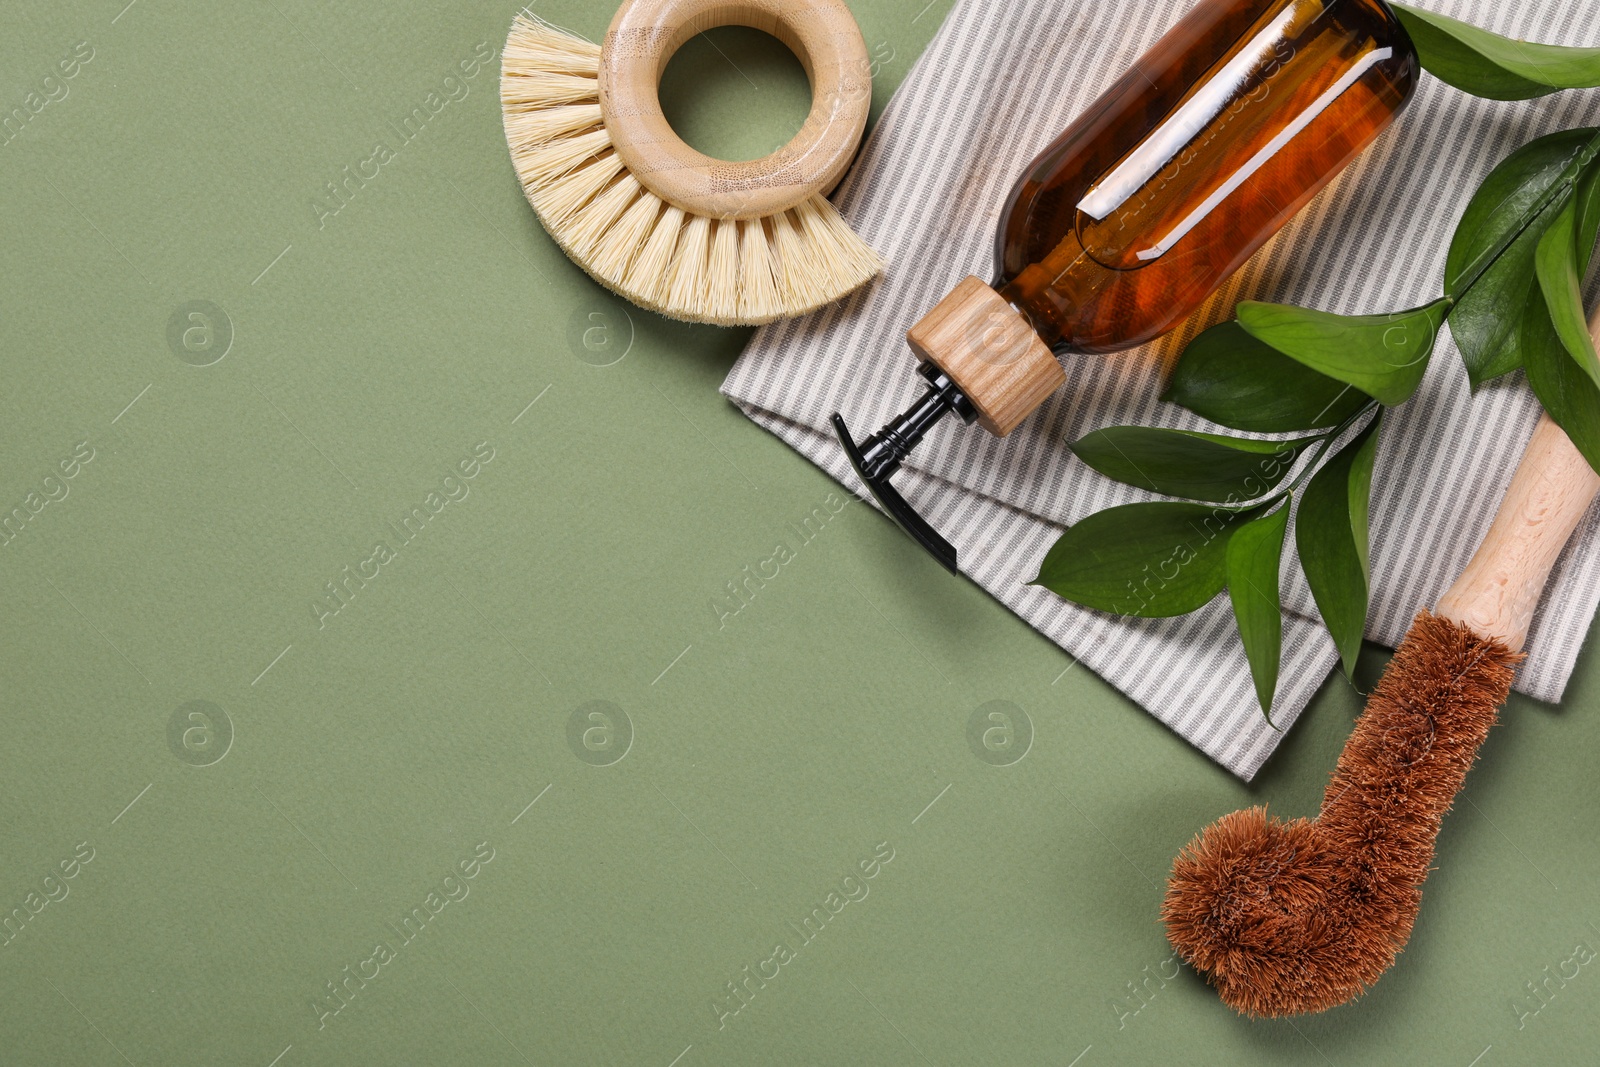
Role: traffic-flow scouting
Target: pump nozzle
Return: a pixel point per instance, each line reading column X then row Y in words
column 982, row 361
column 878, row 460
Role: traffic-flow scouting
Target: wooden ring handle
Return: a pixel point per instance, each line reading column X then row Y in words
column 1498, row 592
column 822, row 34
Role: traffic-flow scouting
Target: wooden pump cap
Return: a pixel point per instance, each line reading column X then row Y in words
column 990, row 352
column 643, row 36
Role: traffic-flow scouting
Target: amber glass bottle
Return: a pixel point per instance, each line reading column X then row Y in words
column 1165, row 185
column 1192, row 160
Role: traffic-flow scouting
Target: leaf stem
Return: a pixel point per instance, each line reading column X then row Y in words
column 1327, row 442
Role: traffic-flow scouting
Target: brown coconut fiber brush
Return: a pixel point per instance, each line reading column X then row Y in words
column 1300, row 916
column 675, row 231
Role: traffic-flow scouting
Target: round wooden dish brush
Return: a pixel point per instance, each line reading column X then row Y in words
column 659, row 223
column 1300, row 916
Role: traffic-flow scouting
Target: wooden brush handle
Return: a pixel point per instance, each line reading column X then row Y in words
column 643, row 37
column 1553, row 486
column 1300, row 916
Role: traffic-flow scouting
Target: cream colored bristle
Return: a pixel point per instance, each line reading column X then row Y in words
column 617, row 248
column 797, row 269
column 686, row 278
column 842, row 260
column 530, row 129
column 547, row 162
column 722, row 273
column 684, row 265
column 649, row 274
column 554, row 88
column 586, row 226
column 561, row 199
column 758, row 270
column 535, row 44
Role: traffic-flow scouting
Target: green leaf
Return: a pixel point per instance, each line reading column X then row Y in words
column 1331, row 534
column 1490, row 267
column 1254, row 553
column 1229, row 377
column 1488, row 65
column 1200, row 466
column 1385, row 356
column 1485, row 323
column 1557, row 263
column 1567, row 393
column 1514, row 194
column 1152, row 560
column 1588, row 214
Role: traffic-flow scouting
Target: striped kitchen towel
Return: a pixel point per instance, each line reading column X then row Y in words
column 999, row 81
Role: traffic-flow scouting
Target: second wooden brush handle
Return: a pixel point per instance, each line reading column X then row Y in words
column 1497, row 593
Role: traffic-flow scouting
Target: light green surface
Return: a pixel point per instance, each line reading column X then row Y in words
column 768, row 757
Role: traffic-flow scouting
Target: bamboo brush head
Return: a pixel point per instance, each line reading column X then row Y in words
column 1300, row 916
column 653, row 220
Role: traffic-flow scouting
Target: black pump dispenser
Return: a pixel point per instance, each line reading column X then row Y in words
column 879, row 458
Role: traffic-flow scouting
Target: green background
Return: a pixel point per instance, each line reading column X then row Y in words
column 762, row 755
